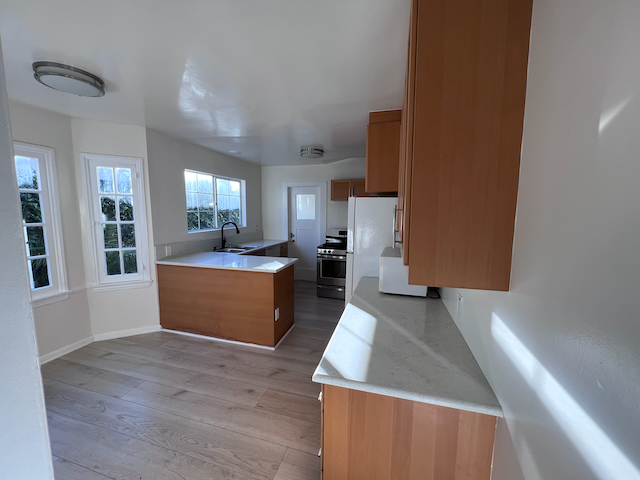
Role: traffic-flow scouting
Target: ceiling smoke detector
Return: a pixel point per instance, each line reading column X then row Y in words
column 311, row 152
column 68, row 79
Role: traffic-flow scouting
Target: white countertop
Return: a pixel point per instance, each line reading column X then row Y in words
column 234, row 261
column 404, row 347
column 259, row 244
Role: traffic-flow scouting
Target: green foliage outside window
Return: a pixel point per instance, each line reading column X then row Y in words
column 209, row 207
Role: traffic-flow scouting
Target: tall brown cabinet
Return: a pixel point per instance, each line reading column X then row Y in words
column 461, row 133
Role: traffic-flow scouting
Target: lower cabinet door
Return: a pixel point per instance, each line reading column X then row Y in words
column 370, row 436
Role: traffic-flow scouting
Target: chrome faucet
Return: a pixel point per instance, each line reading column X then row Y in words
column 224, row 240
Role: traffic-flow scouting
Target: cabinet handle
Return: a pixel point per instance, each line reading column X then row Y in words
column 395, row 217
column 320, row 397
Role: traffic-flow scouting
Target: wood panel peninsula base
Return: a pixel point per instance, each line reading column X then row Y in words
column 230, row 304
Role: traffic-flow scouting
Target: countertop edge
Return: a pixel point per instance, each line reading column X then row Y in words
column 492, row 410
column 237, row 269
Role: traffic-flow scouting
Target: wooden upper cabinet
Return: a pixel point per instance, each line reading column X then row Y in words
column 383, row 146
column 358, row 188
column 403, row 218
column 340, row 189
column 343, row 189
column 463, row 140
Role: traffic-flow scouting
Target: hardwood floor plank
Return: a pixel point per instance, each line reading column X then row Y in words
column 291, row 365
column 288, row 471
column 275, row 378
column 142, row 369
column 120, row 457
column 255, row 357
column 302, row 459
column 323, row 335
column 221, row 447
column 196, row 363
column 65, row 470
column 90, row 378
column 226, row 389
column 301, row 341
column 292, row 405
column 155, row 339
column 217, row 387
column 212, row 349
column 315, row 322
column 312, row 355
column 273, row 427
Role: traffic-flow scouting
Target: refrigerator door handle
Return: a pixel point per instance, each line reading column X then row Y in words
column 395, row 231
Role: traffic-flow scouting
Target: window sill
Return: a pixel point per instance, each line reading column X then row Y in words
column 48, row 300
column 107, row 287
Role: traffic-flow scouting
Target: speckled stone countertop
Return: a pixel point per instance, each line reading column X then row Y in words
column 404, row 347
column 234, row 261
column 260, row 244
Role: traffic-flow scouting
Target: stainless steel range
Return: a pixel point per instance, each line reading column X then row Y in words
column 332, row 265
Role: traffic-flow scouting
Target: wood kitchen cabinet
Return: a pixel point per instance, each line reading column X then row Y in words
column 213, row 302
column 343, row 189
column 366, row 435
column 383, row 146
column 461, row 133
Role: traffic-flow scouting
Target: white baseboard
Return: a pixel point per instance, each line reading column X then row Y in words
column 126, row 333
column 285, row 335
column 64, row 350
column 216, row 339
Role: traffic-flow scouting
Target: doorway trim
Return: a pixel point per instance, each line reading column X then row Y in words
column 323, row 206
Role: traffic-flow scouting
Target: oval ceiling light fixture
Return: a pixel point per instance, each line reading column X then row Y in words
column 234, row 152
column 68, row 79
column 311, row 152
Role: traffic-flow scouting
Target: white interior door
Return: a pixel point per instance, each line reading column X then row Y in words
column 304, row 230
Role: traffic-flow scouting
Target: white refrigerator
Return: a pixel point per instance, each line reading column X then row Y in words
column 369, row 232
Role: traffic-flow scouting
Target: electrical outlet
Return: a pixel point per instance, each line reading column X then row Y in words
column 459, row 306
column 277, row 313
column 167, row 250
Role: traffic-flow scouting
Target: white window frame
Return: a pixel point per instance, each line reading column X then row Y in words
column 243, row 199
column 101, row 281
column 50, row 205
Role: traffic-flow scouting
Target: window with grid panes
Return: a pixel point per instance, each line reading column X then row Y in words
column 118, row 208
column 213, row 200
column 35, row 174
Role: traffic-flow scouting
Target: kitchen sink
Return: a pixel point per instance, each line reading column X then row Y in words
column 230, row 250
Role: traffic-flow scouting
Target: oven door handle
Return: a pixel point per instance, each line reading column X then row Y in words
column 332, row 257
column 331, row 287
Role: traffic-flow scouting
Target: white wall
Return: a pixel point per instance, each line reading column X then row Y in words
column 67, row 321
column 562, row 348
column 273, row 208
column 168, row 158
column 24, row 442
column 130, row 308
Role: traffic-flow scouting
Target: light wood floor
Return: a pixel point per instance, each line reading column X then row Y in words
column 166, row 406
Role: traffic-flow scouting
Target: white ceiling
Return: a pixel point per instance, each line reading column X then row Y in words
column 260, row 76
